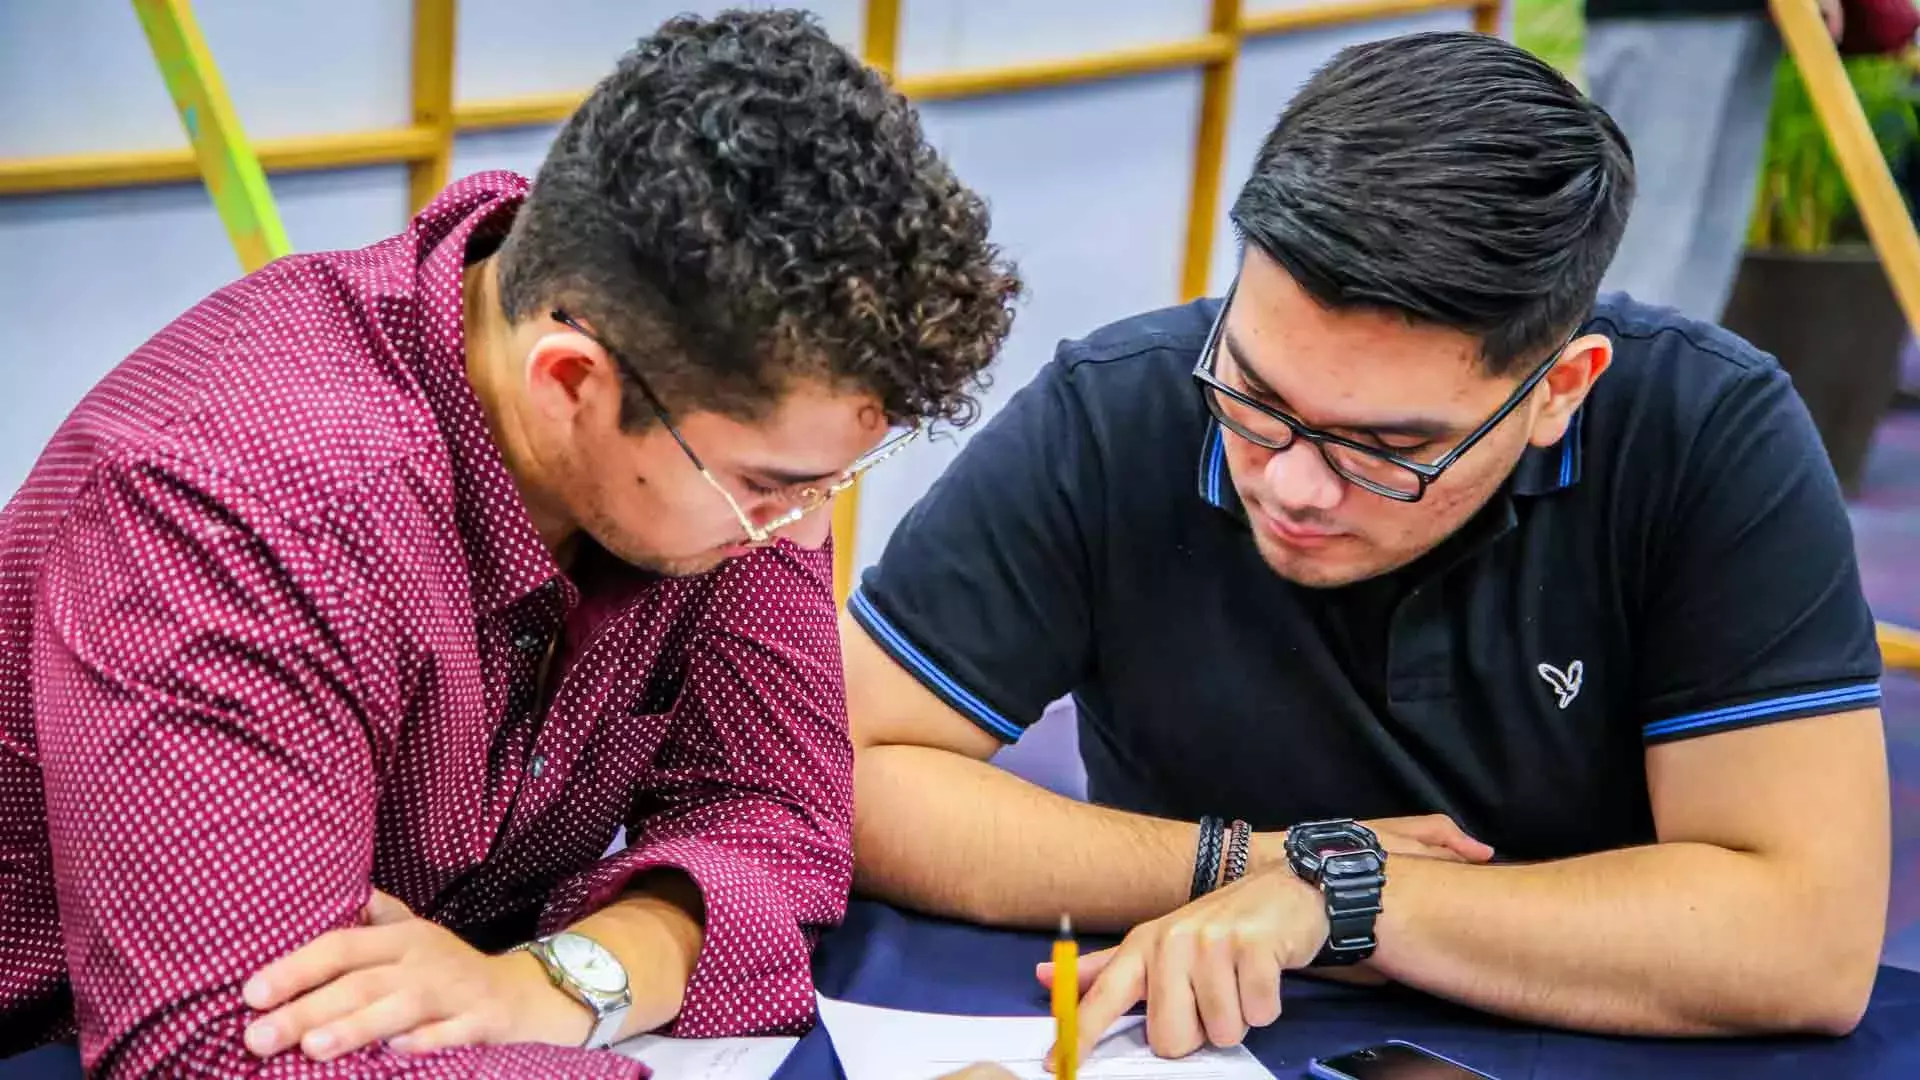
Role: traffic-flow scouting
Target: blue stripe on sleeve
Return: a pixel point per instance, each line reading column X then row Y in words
column 1831, row 700
column 905, row 651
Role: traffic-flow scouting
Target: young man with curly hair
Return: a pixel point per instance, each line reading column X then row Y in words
column 347, row 621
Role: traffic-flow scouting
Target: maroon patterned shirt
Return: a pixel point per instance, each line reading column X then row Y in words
column 271, row 614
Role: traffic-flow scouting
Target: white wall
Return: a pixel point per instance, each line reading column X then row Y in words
column 1072, row 175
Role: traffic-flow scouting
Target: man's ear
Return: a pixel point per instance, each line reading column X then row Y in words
column 563, row 371
column 1582, row 362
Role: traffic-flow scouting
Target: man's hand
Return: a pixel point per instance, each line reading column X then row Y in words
column 1207, row 971
column 1835, row 17
column 1433, row 836
column 409, row 981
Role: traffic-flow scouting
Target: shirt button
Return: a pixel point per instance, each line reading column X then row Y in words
column 528, row 641
column 537, row 766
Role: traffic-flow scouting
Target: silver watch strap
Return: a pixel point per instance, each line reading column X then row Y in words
column 608, row 1010
column 606, row 1025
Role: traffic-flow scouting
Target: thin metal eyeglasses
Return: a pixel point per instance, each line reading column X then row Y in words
column 804, row 502
column 1374, row 468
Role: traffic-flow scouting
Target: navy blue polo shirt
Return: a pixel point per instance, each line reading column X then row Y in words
column 1680, row 564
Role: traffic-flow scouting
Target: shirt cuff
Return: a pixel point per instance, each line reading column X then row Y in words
column 753, row 975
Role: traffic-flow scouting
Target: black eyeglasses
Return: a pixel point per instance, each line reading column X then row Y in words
column 1374, row 468
column 803, row 502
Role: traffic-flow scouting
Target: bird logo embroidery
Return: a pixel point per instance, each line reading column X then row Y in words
column 1566, row 683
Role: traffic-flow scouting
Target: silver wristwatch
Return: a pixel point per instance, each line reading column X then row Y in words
column 589, row 974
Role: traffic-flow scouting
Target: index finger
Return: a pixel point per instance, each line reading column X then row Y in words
column 1119, row 988
column 318, row 962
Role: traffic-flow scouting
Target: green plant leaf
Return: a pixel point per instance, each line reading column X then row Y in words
column 1802, row 202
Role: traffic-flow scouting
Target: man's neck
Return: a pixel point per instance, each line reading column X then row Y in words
column 493, row 373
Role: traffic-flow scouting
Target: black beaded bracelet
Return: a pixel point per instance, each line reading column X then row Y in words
column 1206, row 861
column 1239, row 838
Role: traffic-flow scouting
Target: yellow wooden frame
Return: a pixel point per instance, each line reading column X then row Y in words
column 426, row 140
column 218, row 148
column 425, row 146
column 1889, row 226
column 433, row 64
column 1899, row 647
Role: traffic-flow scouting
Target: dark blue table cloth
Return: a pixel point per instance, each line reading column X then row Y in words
column 882, row 956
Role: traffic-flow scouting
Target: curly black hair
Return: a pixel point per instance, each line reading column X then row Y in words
column 742, row 204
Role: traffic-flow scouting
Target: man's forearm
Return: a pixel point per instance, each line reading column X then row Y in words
column 1029, row 855
column 1670, row 939
column 655, row 932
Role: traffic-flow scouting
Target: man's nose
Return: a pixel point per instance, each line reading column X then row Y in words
column 1299, row 478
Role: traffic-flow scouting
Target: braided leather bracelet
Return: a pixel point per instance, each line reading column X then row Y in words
column 1240, row 837
column 1206, row 861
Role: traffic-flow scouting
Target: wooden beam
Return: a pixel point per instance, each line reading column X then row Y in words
column 433, row 44
column 1341, row 12
column 880, row 36
column 1486, row 18
column 1210, row 151
column 1899, row 647
column 1069, row 71
column 532, row 110
column 423, row 143
column 234, row 178
column 1889, row 227
column 139, row 168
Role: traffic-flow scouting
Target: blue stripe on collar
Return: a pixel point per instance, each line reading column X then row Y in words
column 1213, row 466
column 1547, row 469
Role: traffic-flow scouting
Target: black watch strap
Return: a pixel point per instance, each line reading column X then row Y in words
column 1352, row 908
column 1346, row 862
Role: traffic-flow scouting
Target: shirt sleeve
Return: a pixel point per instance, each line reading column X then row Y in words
column 982, row 592
column 1754, row 608
column 751, row 796
column 208, row 755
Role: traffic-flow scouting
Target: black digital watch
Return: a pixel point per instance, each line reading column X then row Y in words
column 1345, row 861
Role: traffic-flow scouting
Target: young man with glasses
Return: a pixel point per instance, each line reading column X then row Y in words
column 1503, row 642
column 346, row 623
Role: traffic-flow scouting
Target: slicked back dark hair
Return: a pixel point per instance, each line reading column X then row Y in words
column 742, row 203
column 1451, row 177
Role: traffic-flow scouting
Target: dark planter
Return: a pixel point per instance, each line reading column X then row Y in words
column 1832, row 320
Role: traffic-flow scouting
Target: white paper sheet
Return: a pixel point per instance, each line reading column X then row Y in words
column 891, row 1044
column 708, row 1059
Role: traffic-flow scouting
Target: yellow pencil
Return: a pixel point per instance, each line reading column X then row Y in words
column 1066, row 1001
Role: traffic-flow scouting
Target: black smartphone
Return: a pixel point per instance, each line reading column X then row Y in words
column 1392, row 1060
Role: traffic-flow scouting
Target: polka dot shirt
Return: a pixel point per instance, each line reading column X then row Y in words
column 271, row 615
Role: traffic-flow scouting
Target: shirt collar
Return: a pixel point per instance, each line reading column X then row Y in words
column 506, row 559
column 1544, row 470
column 1216, row 484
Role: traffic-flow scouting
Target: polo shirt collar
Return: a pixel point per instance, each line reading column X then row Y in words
column 1544, row 470
column 1216, row 484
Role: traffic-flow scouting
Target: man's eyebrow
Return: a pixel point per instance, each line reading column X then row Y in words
column 1405, row 427
column 782, row 478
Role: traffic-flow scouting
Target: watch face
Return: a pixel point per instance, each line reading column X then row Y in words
column 1353, row 862
column 588, row 963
